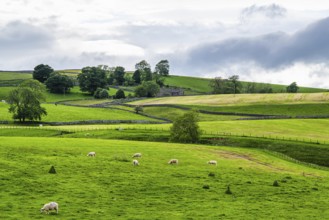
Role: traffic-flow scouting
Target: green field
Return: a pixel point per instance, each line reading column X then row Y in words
column 62, row 113
column 109, row 187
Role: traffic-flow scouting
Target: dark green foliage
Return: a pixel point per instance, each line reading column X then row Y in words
column 142, row 65
column 25, row 101
column 211, row 174
column 162, row 68
column 292, row 88
column 42, row 72
column 147, row 89
column 101, row 93
column 206, row 187
column 119, row 75
column 228, row 191
column 159, row 79
column 138, row 109
column 146, row 74
column 58, row 83
column 232, row 85
column 92, row 78
column 52, row 170
column 137, row 77
column 185, row 128
column 120, row 94
column 276, row 183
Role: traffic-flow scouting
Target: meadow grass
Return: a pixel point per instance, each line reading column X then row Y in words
column 288, row 129
column 109, row 187
column 239, row 99
column 14, row 75
column 173, row 113
column 313, row 109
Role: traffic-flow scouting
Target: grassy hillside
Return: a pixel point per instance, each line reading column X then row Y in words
column 240, row 99
column 62, row 113
column 109, row 187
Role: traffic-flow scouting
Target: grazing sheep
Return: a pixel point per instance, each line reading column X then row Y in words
column 213, row 162
column 137, row 155
column 135, row 162
column 173, row 161
column 49, row 206
column 91, row 154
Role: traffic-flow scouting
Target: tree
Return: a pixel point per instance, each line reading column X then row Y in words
column 236, row 84
column 129, row 81
column 58, row 83
column 101, row 93
column 119, row 75
column 185, row 128
column 42, row 72
column 120, row 94
column 292, row 88
column 25, row 101
column 162, row 68
column 147, row 89
column 137, row 77
column 218, row 84
column 92, row 78
column 159, row 79
column 138, row 109
column 142, row 65
column 147, row 74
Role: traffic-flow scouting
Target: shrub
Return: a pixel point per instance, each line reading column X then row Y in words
column 120, row 94
column 185, row 128
column 101, row 94
column 52, row 170
column 276, row 183
column 228, row 190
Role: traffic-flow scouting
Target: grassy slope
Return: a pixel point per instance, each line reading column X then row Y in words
column 63, row 113
column 240, row 99
column 107, row 187
column 197, row 85
column 314, row 129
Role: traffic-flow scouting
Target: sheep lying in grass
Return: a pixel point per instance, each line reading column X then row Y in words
column 213, row 162
column 173, row 161
column 49, row 206
column 137, row 155
column 91, row 154
column 135, row 162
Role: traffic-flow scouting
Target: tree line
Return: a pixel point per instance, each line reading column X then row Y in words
column 232, row 85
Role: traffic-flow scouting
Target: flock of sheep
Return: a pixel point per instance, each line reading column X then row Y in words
column 54, row 205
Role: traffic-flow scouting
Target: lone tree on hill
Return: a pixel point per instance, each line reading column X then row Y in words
column 42, row 72
column 25, row 101
column 58, row 83
column 162, row 68
column 185, row 128
column 292, row 88
column 92, row 78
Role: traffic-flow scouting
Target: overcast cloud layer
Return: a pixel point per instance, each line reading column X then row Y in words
column 271, row 42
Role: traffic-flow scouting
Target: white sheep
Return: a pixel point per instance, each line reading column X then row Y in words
column 213, row 162
column 135, row 162
column 137, row 155
column 173, row 161
column 91, row 154
column 49, row 206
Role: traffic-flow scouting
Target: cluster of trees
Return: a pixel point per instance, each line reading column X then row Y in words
column 54, row 81
column 232, row 85
column 148, row 83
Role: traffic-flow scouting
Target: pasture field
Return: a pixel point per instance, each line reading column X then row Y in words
column 286, row 129
column 109, row 187
column 4, row 76
column 240, row 99
column 62, row 113
column 172, row 113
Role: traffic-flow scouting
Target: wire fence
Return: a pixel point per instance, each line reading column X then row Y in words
column 212, row 134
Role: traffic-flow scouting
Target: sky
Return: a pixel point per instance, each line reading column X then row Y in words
column 280, row 42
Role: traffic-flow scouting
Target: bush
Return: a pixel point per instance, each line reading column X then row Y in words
column 228, row 190
column 120, row 94
column 276, row 183
column 52, row 170
column 101, row 93
column 185, row 128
